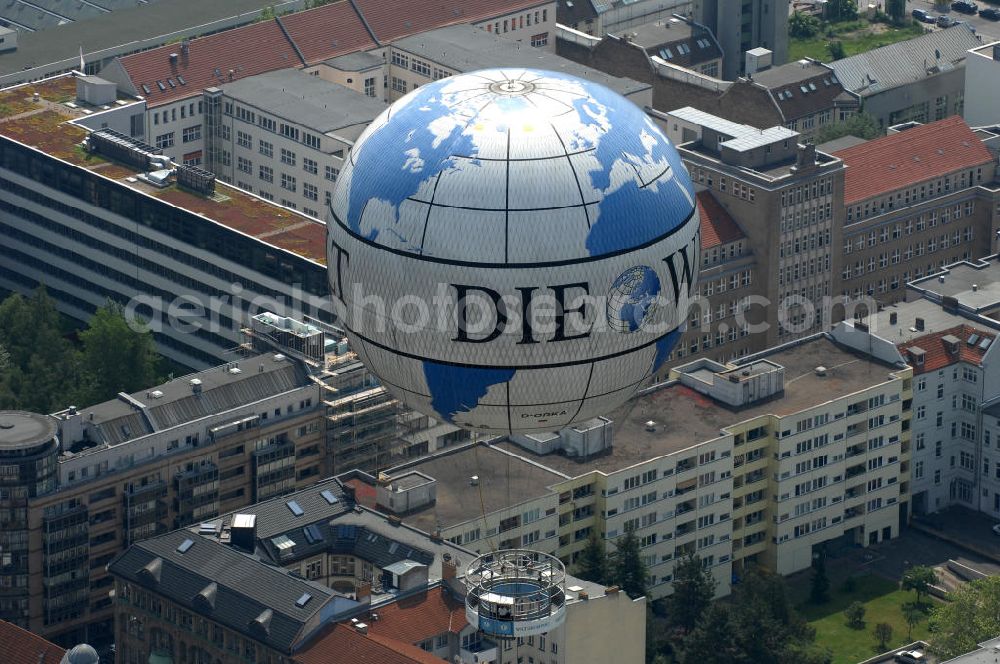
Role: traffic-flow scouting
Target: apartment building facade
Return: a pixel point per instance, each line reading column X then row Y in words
column 739, row 28
column 284, row 136
column 151, row 462
column 763, row 462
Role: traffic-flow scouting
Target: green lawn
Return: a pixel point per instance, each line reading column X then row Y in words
column 856, row 37
column 883, row 603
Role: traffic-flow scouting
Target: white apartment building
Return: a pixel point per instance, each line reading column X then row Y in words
column 761, row 462
column 947, row 333
column 284, row 135
column 982, row 92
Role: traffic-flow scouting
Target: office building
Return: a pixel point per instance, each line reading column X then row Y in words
column 600, row 17
column 920, row 79
column 284, row 135
column 171, row 78
column 914, row 201
column 91, row 481
column 740, row 28
column 783, row 196
column 419, row 59
column 982, row 94
column 314, row 576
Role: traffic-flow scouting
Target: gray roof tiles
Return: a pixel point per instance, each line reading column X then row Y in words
column 309, row 101
column 904, row 62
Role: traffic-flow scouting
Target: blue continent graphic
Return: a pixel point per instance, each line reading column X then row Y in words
column 641, row 286
column 457, row 390
column 664, row 346
column 407, row 161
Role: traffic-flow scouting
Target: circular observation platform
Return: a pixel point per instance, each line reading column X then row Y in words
column 515, row 593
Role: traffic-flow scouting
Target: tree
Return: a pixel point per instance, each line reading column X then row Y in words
column 766, row 626
column 41, row 363
column 855, row 614
column 628, row 571
column 593, row 562
column 919, row 579
column 803, row 26
column 118, row 355
column 972, row 616
column 861, row 125
column 912, row 614
column 819, row 591
column 712, row 640
column 883, row 634
column 694, row 589
column 896, row 9
column 836, row 49
column 842, row 10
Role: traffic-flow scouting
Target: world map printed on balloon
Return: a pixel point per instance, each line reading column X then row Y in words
column 503, row 188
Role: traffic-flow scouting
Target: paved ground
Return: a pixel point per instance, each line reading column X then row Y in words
column 990, row 30
column 966, row 526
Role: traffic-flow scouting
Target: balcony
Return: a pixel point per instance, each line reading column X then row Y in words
column 479, row 653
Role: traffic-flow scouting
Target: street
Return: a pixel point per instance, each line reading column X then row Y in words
column 989, row 30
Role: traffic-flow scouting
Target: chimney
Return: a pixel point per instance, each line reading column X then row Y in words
column 363, row 593
column 611, row 590
column 892, row 317
column 185, row 45
column 583, row 595
column 919, row 324
column 996, row 52
column 362, row 628
column 173, row 58
column 449, row 567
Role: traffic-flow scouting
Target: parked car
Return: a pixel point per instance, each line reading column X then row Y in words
column 965, row 6
column 945, row 21
column 924, row 16
column 990, row 14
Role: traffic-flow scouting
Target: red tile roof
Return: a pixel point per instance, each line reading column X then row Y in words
column 901, row 160
column 328, row 31
column 245, row 51
column 937, row 356
column 22, row 647
column 419, row 617
column 392, row 19
column 317, row 34
column 717, row 226
column 342, row 643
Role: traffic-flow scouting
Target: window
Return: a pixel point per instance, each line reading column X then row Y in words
column 244, row 165
column 370, row 87
column 539, row 40
column 331, row 173
column 398, row 84
column 266, row 149
column 287, row 157
column 288, row 182
column 191, row 133
column 243, row 139
column 310, row 191
column 420, row 67
column 165, row 140
column 267, row 174
column 310, row 166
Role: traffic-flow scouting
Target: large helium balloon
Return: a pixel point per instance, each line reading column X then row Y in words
column 513, row 250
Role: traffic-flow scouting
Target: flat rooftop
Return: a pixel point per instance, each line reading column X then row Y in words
column 686, row 417
column 174, row 403
column 957, row 281
column 904, row 329
column 504, row 480
column 466, row 48
column 295, row 96
column 44, row 125
column 129, row 25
